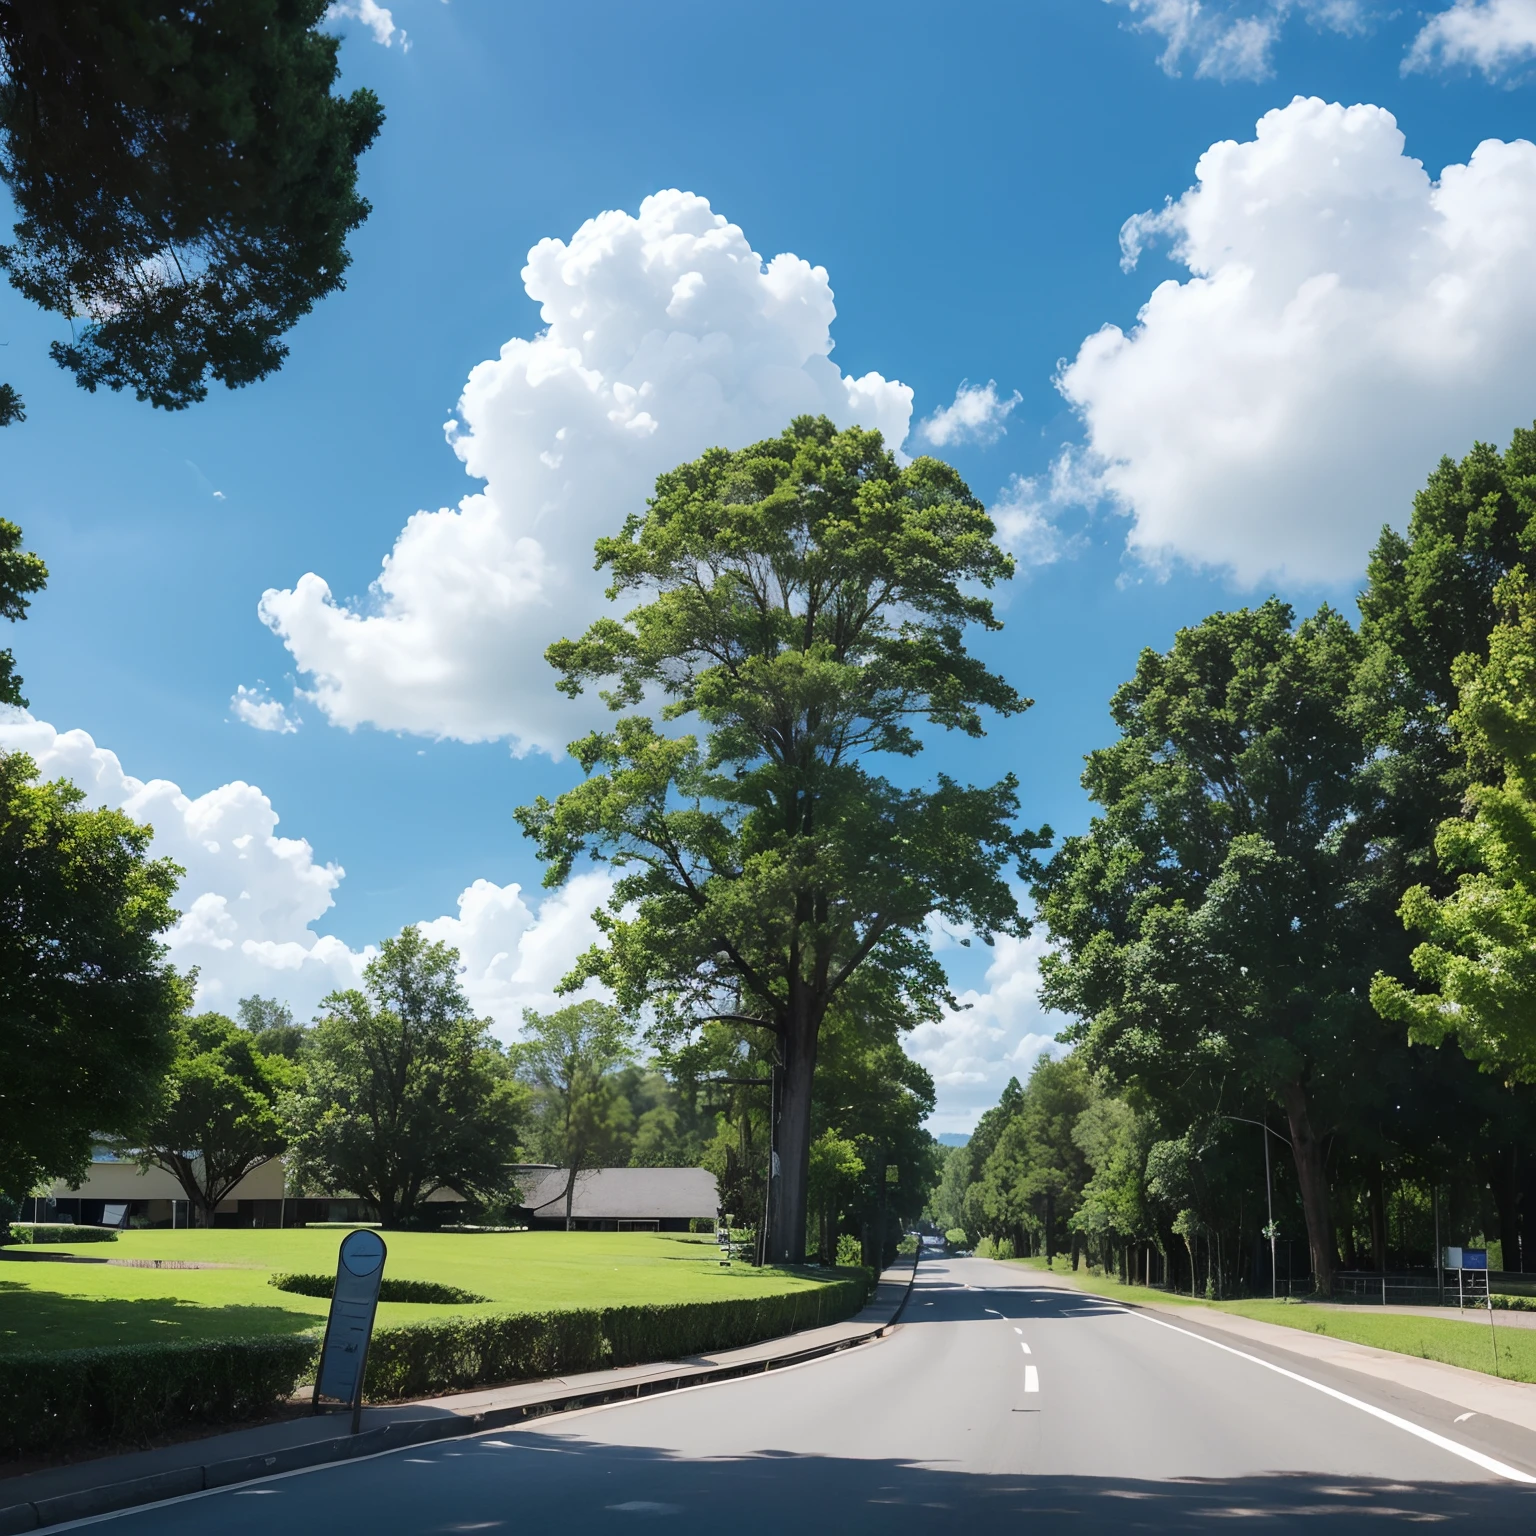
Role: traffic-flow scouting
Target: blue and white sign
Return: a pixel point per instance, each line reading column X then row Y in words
column 344, row 1355
column 1474, row 1258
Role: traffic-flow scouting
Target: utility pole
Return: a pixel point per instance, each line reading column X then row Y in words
column 1269, row 1197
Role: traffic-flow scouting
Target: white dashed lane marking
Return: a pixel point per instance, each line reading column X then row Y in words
column 1031, row 1379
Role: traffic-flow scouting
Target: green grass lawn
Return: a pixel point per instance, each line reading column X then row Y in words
column 46, row 1305
column 1450, row 1339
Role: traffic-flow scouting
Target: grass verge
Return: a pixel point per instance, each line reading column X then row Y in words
column 47, row 1305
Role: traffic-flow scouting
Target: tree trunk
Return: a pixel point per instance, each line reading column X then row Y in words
column 1312, row 1176
column 1377, row 1198
column 570, row 1193
column 787, row 1208
column 1503, row 1170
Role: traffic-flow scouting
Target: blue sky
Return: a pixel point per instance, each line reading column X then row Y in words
column 1336, row 318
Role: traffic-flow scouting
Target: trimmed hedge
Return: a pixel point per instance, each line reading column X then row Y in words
column 60, row 1232
column 128, row 1392
column 442, row 1354
column 427, row 1292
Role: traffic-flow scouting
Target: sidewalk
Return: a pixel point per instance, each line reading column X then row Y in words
column 39, row 1499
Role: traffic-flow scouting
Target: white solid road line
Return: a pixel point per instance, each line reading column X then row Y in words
column 1477, row 1458
column 1031, row 1379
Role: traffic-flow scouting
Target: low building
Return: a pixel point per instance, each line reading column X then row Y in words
column 619, row 1199
column 118, row 1193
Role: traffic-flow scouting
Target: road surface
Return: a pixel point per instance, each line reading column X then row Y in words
column 999, row 1399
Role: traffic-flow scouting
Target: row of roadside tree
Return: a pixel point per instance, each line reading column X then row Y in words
column 1304, row 914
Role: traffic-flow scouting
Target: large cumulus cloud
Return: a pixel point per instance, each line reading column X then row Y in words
column 1345, row 321
column 665, row 333
column 250, row 899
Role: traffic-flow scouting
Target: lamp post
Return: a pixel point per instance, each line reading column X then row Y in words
column 1269, row 1195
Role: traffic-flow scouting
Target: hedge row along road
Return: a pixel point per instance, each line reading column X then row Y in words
column 1002, row 1402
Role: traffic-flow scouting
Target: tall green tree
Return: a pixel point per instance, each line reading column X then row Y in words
column 570, row 1059
column 219, row 1118
column 407, row 1093
column 87, row 1000
column 1478, row 957
column 184, row 182
column 1217, row 924
column 806, row 600
column 22, row 576
column 271, row 1026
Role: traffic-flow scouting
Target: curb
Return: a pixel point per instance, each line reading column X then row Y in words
column 110, row 1497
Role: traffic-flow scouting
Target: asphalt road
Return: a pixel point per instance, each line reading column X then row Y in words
column 998, row 1398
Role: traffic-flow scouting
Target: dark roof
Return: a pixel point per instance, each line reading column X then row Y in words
column 625, row 1194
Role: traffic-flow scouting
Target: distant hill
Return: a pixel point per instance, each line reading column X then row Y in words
column 952, row 1139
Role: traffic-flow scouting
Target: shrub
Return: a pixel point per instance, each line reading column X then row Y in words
column 426, row 1292
column 1004, row 1248
column 443, row 1353
column 850, row 1251
column 60, row 1232
column 133, row 1391
column 1506, row 1303
column 955, row 1237
column 908, row 1243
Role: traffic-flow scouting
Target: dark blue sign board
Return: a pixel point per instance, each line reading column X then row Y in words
column 344, row 1355
column 1474, row 1258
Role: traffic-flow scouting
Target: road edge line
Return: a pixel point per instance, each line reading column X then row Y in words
column 1465, row 1452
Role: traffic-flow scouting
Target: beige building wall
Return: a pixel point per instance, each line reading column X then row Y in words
column 110, row 1179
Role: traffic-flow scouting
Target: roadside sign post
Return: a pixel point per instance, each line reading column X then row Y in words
column 349, row 1327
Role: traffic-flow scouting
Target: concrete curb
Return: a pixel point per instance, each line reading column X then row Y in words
column 110, row 1497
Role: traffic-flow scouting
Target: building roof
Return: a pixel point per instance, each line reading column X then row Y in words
column 624, row 1194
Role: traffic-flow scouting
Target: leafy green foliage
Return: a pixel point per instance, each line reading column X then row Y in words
column 218, row 1117
column 1217, row 922
column 568, row 1058
column 185, row 182
column 1478, row 956
column 87, row 1001
column 406, row 1091
column 441, row 1354
column 128, row 1392
column 271, row 1026
column 806, row 599
column 59, row 1232
column 21, row 575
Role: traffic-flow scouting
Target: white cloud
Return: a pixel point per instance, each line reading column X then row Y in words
column 250, row 900
column 665, row 334
column 1491, row 35
column 373, row 16
column 1346, row 321
column 262, row 712
column 1233, row 39
column 978, row 415
column 996, row 1034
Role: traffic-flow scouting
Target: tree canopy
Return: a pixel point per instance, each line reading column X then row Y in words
column 406, row 1092
column 87, row 1000
column 22, row 576
column 1215, row 922
column 1478, row 958
column 579, row 1114
column 219, row 1116
column 806, row 600
column 184, row 182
